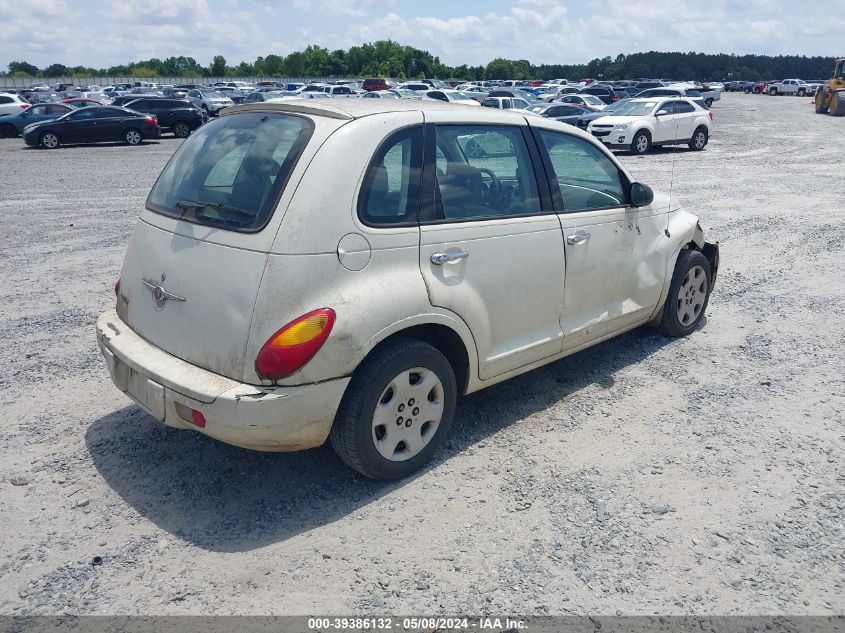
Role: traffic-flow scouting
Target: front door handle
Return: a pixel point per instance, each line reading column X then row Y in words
column 439, row 259
column 577, row 237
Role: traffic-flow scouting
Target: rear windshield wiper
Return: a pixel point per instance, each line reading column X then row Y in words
column 192, row 207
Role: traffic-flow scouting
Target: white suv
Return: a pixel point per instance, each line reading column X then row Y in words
column 345, row 270
column 11, row 103
column 642, row 124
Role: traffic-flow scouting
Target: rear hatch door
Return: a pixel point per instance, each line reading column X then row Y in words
column 195, row 261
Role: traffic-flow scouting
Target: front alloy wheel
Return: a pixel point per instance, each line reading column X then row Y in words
column 49, row 140
column 641, row 143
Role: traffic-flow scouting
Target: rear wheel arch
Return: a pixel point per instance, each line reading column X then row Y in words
column 442, row 337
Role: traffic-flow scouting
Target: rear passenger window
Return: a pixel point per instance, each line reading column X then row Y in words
column 391, row 191
column 683, row 106
column 587, row 178
column 484, row 172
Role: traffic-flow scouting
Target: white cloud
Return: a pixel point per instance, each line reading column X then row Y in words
column 353, row 8
column 96, row 33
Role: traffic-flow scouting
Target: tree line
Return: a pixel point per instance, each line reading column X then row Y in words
column 386, row 58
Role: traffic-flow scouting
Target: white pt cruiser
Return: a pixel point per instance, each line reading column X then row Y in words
column 305, row 271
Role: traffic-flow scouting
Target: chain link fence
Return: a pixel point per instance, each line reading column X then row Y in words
column 26, row 82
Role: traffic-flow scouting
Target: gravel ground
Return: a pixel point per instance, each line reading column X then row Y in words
column 646, row 475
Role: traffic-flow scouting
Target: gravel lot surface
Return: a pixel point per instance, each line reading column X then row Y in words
column 645, row 475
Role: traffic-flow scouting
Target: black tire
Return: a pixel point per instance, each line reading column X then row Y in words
column 773, row 91
column 181, row 129
column 708, row 101
column 699, row 139
column 352, row 433
column 207, row 113
column 474, row 150
column 822, row 104
column 802, row 92
column 49, row 140
column 133, row 136
column 638, row 146
column 670, row 323
column 837, row 103
column 7, row 130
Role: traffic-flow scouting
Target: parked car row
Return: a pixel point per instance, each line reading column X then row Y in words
column 131, row 118
column 796, row 87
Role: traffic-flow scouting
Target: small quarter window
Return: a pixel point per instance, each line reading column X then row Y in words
column 391, row 192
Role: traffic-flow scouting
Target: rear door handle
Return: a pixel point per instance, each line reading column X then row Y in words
column 438, row 259
column 577, row 237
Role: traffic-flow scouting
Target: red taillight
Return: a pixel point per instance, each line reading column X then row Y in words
column 197, row 418
column 290, row 349
column 117, row 288
column 151, row 120
column 710, row 114
column 24, row 106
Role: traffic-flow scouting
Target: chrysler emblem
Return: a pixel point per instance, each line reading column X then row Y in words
column 160, row 294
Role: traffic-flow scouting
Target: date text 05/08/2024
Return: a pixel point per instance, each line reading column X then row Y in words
column 411, row 624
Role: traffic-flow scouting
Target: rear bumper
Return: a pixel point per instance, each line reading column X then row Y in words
column 259, row 418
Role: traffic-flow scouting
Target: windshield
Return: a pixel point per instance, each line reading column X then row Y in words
column 457, row 96
column 230, row 173
column 635, row 108
column 592, row 100
column 213, row 94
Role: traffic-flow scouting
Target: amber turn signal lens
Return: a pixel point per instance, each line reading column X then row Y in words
column 293, row 346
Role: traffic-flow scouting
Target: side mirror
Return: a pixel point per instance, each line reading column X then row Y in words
column 661, row 112
column 641, row 195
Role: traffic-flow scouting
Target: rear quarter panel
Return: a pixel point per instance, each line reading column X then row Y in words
column 304, row 272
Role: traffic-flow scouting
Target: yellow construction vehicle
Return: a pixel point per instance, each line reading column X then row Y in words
column 831, row 96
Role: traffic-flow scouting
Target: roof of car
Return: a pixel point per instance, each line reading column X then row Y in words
column 350, row 108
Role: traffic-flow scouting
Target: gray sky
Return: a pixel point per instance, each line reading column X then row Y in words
column 105, row 33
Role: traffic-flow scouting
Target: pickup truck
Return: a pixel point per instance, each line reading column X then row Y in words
column 797, row 87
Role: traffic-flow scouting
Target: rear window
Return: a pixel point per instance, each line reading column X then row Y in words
column 230, row 173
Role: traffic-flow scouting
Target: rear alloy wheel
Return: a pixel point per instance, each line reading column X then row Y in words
column 133, row 137
column 699, row 139
column 49, row 140
column 182, row 130
column 641, row 143
column 689, row 293
column 773, row 91
column 7, row 130
column 396, row 411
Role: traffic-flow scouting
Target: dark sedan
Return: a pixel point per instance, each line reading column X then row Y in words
column 174, row 115
column 605, row 93
column 584, row 120
column 563, row 112
column 233, row 93
column 122, row 100
column 263, row 95
column 13, row 124
column 93, row 125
